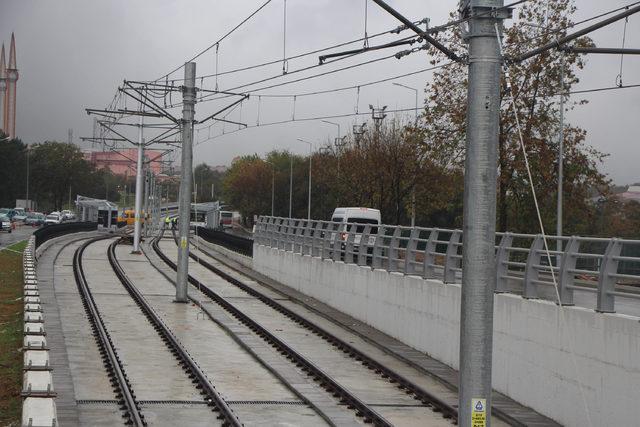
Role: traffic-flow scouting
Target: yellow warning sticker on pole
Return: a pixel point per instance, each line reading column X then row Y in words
column 183, row 243
column 478, row 412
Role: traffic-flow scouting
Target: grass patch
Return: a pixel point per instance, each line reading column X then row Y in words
column 11, row 323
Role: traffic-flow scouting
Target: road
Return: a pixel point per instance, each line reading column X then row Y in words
column 21, row 232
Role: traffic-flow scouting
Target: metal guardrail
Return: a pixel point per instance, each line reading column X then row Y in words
column 56, row 230
column 608, row 267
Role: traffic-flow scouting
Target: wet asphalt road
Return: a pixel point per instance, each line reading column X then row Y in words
column 22, row 232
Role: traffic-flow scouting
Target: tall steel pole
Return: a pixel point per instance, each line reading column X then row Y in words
column 290, row 183
column 273, row 189
column 478, row 259
column 139, row 189
column 145, row 210
column 560, row 154
column 310, row 152
column 184, row 204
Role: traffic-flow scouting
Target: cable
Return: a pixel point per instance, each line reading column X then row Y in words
column 218, row 41
column 542, row 229
column 624, row 37
column 340, row 89
column 304, row 119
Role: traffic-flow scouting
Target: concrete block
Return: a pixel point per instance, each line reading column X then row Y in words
column 37, row 383
column 33, row 316
column 32, row 300
column 39, row 412
column 32, row 307
column 34, row 342
column 33, row 328
column 31, row 293
column 36, row 359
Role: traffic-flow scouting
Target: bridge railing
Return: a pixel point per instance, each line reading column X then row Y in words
column 607, row 267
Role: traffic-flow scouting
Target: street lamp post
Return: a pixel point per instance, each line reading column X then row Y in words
column 290, row 182
column 310, row 152
column 416, row 91
column 273, row 185
column 413, row 191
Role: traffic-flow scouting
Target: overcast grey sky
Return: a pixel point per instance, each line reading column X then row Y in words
column 72, row 54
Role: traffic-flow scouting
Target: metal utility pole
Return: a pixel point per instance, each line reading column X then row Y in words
column 273, row 189
column 212, row 198
column 309, row 199
column 139, row 184
column 145, row 210
column 478, row 260
column 560, row 155
column 184, row 204
column 290, row 183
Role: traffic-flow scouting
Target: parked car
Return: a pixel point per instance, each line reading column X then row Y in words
column 53, row 218
column 10, row 213
column 20, row 215
column 35, row 218
column 67, row 215
column 5, row 223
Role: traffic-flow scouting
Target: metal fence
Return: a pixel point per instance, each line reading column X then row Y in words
column 56, row 230
column 607, row 267
column 235, row 243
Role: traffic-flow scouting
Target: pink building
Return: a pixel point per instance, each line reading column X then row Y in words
column 123, row 162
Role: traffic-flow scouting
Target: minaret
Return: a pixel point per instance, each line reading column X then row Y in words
column 3, row 87
column 10, row 96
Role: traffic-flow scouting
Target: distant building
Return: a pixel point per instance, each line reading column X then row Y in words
column 8, row 82
column 632, row 193
column 123, row 162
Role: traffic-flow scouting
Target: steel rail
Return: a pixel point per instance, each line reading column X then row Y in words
column 363, row 410
column 401, row 382
column 115, row 370
column 214, row 398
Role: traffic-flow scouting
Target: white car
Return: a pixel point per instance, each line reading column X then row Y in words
column 67, row 215
column 53, row 218
column 5, row 223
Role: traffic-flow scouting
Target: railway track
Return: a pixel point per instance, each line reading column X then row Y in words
column 115, row 370
column 123, row 389
column 191, row 368
column 369, row 414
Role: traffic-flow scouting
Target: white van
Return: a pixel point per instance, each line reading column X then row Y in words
column 358, row 215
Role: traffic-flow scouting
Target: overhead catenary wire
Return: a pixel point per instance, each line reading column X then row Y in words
column 304, row 119
column 211, row 46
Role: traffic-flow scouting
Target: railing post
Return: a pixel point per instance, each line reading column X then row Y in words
column 316, row 240
column 531, row 273
column 566, row 277
column 394, row 244
column 410, row 252
column 376, row 258
column 348, row 249
column 306, row 238
column 363, row 250
column 502, row 258
column 607, row 283
column 451, row 261
column 428, row 269
column 337, row 242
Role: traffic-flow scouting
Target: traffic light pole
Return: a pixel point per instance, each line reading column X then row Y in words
column 184, row 203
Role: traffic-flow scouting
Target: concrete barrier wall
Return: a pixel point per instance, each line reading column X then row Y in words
column 533, row 359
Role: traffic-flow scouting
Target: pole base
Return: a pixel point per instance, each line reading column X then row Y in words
column 179, row 302
column 136, row 252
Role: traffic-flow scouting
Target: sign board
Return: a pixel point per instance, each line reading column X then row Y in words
column 478, row 412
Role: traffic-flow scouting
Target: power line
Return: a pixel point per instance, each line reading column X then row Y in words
column 218, row 41
column 303, row 119
column 340, row 89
